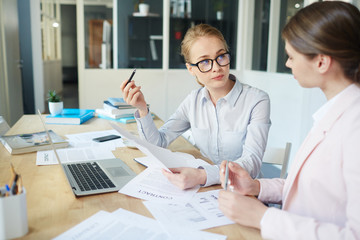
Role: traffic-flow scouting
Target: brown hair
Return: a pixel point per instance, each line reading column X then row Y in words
column 194, row 33
column 329, row 28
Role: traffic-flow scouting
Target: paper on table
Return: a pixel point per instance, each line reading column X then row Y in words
column 160, row 157
column 125, row 225
column 153, row 225
column 89, row 228
column 86, row 139
column 68, row 155
column 201, row 212
column 151, row 184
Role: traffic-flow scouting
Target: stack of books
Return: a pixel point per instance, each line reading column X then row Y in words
column 118, row 110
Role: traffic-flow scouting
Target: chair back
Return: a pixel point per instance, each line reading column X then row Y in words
column 278, row 156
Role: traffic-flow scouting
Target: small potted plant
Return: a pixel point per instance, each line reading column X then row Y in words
column 55, row 104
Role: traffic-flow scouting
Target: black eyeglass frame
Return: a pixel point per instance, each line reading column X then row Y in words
column 212, row 62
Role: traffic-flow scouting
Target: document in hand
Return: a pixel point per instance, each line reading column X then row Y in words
column 160, row 157
column 151, row 184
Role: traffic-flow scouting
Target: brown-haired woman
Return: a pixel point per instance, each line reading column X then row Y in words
column 320, row 197
column 228, row 120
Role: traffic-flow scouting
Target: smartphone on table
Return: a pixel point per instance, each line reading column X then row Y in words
column 106, row 138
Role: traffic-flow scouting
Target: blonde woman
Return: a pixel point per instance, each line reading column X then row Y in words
column 229, row 120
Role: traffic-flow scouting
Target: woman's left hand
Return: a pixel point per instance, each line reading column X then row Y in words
column 245, row 210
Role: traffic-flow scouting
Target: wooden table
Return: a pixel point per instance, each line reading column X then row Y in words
column 53, row 208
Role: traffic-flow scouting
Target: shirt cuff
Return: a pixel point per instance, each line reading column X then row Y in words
column 212, row 175
column 142, row 122
column 266, row 193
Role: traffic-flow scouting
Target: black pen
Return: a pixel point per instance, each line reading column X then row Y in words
column 132, row 75
column 13, row 189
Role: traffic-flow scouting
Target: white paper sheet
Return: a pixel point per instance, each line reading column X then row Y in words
column 188, row 161
column 201, row 212
column 125, row 225
column 161, row 157
column 68, row 155
column 151, row 184
column 86, row 139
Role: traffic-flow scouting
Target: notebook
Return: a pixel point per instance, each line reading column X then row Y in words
column 94, row 177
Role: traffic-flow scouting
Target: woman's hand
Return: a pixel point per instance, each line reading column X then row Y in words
column 239, row 180
column 133, row 96
column 186, row 177
column 245, row 210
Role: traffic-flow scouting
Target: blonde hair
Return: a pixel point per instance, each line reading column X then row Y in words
column 196, row 32
column 330, row 28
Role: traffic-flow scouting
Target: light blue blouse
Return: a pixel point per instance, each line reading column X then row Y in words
column 236, row 129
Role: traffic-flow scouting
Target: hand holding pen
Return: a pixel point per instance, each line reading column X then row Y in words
column 226, row 175
column 238, row 179
column 132, row 95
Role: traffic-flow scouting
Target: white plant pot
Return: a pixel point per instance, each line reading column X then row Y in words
column 219, row 15
column 56, row 108
column 144, row 8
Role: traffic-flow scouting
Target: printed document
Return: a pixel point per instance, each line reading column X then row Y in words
column 125, row 225
column 160, row 157
column 82, row 148
column 151, row 184
column 68, row 155
column 201, row 212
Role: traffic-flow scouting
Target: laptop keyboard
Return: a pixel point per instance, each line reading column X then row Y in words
column 89, row 176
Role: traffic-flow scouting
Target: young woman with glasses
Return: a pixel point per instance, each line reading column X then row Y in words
column 320, row 197
column 228, row 120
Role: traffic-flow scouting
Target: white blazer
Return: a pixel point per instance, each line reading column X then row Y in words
column 321, row 195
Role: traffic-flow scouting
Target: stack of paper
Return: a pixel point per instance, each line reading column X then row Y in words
column 82, row 148
column 125, row 225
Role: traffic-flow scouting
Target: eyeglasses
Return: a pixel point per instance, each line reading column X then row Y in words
column 207, row 64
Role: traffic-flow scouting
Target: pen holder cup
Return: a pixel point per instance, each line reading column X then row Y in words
column 13, row 216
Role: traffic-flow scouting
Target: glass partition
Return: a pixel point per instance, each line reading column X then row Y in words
column 261, row 32
column 98, row 34
column 261, row 35
column 186, row 13
column 288, row 9
column 140, row 38
column 140, row 27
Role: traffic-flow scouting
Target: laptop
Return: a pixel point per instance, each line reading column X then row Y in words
column 94, row 177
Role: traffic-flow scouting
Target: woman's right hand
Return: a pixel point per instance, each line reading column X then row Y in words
column 239, row 179
column 133, row 96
